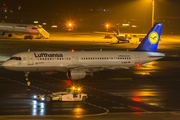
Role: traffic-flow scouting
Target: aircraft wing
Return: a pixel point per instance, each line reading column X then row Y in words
column 96, row 68
column 111, row 33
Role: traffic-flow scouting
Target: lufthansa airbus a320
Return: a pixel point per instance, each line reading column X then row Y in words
column 78, row 64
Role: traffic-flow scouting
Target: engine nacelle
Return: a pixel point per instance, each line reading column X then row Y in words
column 75, row 74
column 49, row 73
column 2, row 33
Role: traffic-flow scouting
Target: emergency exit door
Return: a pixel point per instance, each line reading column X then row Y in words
column 30, row 59
column 137, row 58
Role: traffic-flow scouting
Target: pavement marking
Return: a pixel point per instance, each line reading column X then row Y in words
column 121, row 104
column 25, row 84
column 96, row 106
column 113, row 101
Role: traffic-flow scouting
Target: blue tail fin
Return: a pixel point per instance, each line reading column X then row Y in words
column 150, row 42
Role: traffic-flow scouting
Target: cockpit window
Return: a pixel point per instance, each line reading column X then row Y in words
column 15, row 58
column 34, row 28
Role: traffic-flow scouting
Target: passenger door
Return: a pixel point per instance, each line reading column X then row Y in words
column 30, row 59
column 137, row 58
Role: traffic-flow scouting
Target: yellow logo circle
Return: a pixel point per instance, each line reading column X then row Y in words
column 153, row 37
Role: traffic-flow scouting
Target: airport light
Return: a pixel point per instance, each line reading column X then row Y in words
column 153, row 13
column 107, row 26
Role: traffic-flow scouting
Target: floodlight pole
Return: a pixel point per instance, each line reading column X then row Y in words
column 153, row 13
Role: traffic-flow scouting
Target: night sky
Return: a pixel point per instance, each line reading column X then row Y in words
column 118, row 10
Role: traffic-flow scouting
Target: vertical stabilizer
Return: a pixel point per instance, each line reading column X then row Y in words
column 118, row 32
column 150, row 42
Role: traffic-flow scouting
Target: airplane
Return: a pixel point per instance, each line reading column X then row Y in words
column 125, row 37
column 17, row 28
column 78, row 64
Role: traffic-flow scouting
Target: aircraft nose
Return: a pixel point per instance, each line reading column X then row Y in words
column 6, row 64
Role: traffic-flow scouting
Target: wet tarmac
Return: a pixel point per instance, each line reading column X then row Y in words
column 137, row 93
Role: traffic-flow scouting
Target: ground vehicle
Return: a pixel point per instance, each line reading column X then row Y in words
column 108, row 36
column 28, row 36
column 73, row 94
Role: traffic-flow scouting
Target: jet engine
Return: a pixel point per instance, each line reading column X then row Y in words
column 2, row 33
column 75, row 74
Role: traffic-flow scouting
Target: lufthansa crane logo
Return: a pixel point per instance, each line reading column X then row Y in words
column 153, row 37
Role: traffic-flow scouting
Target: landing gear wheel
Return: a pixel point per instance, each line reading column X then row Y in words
column 48, row 99
column 10, row 35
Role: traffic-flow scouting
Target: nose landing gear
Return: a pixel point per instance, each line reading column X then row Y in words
column 27, row 80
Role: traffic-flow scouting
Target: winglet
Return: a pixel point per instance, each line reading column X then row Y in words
column 150, row 42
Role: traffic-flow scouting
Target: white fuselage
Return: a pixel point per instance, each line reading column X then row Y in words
column 18, row 28
column 64, row 60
